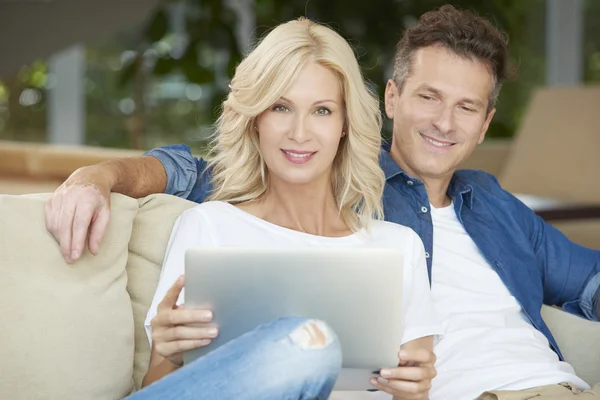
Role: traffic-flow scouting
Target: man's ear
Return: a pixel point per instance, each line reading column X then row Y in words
column 390, row 98
column 486, row 125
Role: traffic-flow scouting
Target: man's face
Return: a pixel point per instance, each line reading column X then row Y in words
column 441, row 114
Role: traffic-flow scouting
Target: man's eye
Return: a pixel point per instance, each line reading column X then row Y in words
column 425, row 97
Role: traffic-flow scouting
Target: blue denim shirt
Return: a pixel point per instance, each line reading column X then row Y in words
column 536, row 262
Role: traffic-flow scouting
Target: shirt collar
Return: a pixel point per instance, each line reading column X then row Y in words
column 391, row 169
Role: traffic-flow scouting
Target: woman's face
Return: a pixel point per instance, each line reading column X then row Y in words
column 299, row 135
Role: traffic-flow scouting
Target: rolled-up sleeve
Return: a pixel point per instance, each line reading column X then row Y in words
column 589, row 298
column 186, row 175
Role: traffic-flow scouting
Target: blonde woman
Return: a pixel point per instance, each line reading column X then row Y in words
column 295, row 164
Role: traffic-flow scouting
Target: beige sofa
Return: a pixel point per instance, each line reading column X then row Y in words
column 76, row 331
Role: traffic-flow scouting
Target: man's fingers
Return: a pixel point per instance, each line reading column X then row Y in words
column 49, row 215
column 84, row 213
column 65, row 229
column 416, row 355
column 180, row 316
column 98, row 230
column 414, row 374
column 170, row 299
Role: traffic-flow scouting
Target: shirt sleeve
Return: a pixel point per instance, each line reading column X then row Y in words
column 570, row 272
column 420, row 317
column 191, row 229
column 188, row 177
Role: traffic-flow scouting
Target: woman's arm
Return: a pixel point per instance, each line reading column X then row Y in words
column 159, row 368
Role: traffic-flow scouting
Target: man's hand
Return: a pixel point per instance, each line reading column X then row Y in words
column 411, row 380
column 170, row 336
column 80, row 206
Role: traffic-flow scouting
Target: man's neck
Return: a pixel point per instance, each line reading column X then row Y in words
column 437, row 187
column 437, row 192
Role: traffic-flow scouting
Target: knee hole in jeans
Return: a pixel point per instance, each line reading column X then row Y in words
column 313, row 334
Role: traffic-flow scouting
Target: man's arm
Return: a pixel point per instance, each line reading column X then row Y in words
column 81, row 205
column 134, row 177
column 571, row 272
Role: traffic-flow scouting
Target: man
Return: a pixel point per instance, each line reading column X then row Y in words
column 492, row 262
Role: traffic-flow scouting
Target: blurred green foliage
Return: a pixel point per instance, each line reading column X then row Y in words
column 148, row 81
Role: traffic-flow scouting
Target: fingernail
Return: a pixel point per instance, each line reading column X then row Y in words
column 386, row 373
column 382, row 381
column 75, row 255
column 207, row 316
column 212, row 331
column 373, row 381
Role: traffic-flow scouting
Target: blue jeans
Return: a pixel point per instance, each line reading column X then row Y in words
column 279, row 360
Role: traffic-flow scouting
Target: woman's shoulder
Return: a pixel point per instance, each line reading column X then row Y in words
column 208, row 210
column 395, row 235
column 385, row 228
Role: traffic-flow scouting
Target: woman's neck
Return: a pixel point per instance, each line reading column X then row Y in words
column 309, row 208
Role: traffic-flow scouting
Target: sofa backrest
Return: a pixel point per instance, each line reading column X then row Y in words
column 151, row 231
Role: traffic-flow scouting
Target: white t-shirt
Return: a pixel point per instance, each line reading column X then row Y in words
column 488, row 341
column 220, row 224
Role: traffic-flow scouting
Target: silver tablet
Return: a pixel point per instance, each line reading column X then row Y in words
column 358, row 292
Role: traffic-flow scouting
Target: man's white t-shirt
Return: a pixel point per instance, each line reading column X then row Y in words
column 488, row 342
column 221, row 224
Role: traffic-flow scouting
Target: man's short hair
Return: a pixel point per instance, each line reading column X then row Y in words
column 461, row 32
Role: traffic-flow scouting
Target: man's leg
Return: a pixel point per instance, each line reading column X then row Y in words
column 563, row 391
column 290, row 358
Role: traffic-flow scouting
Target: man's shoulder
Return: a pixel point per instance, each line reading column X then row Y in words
column 479, row 180
column 476, row 177
column 487, row 189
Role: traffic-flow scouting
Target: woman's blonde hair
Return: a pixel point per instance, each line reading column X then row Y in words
column 239, row 171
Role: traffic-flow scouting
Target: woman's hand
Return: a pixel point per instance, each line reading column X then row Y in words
column 411, row 380
column 170, row 336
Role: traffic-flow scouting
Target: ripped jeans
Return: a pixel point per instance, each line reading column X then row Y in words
column 290, row 358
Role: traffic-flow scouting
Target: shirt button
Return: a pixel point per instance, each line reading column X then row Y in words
column 427, row 255
column 424, row 209
column 409, row 183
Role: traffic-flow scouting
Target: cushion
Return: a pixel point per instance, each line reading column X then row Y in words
column 578, row 340
column 67, row 330
column 151, row 231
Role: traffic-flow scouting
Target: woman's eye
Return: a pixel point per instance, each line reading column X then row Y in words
column 280, row 108
column 323, row 111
